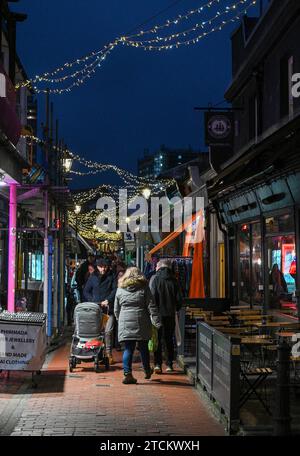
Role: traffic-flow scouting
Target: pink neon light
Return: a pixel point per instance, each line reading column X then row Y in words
column 12, row 244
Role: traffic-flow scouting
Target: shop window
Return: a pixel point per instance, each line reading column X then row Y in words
column 280, row 224
column 36, row 266
column 245, row 279
column 251, row 272
column 256, row 265
column 282, row 271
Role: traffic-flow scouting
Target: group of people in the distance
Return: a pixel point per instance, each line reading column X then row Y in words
column 136, row 305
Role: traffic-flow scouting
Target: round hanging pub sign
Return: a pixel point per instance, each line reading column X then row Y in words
column 219, row 127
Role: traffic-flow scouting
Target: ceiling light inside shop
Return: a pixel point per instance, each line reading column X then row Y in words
column 2, row 182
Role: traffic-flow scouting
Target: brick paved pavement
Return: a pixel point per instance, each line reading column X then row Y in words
column 86, row 403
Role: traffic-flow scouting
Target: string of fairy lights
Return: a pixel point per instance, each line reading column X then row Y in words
column 184, row 33
column 137, row 40
column 168, row 23
column 135, row 186
column 86, row 73
column 87, row 65
column 96, row 167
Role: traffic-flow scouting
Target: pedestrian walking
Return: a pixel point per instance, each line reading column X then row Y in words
column 168, row 297
column 120, row 271
column 135, row 311
column 107, row 292
column 82, row 273
column 91, row 290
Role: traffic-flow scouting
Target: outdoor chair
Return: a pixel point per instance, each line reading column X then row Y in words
column 254, row 379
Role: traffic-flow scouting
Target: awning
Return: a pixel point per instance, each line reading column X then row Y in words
column 173, row 235
column 197, row 289
column 81, row 239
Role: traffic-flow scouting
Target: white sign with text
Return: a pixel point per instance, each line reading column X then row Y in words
column 22, row 347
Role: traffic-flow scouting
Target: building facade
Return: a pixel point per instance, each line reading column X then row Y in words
column 152, row 165
column 34, row 195
column 257, row 191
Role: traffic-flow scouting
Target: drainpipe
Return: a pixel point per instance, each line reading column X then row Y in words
column 46, row 254
column 60, row 282
column 226, row 252
column 12, row 245
column 62, row 273
column 49, row 306
column 55, row 285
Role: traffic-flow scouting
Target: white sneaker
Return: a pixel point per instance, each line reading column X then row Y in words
column 157, row 370
column 169, row 369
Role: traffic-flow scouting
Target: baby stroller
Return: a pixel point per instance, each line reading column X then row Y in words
column 88, row 339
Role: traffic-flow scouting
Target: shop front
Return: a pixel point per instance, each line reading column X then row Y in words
column 263, row 240
column 3, row 250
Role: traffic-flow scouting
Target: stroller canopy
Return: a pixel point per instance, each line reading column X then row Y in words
column 87, row 317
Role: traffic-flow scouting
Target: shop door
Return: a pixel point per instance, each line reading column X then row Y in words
column 281, row 261
column 250, row 264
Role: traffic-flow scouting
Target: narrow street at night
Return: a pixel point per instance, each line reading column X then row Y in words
column 86, row 403
column 149, row 224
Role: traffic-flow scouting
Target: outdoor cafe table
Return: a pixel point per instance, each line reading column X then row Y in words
column 233, row 330
column 250, row 317
column 240, row 307
column 218, row 322
column 285, row 334
column 253, row 349
column 277, row 324
column 256, row 340
column 242, row 312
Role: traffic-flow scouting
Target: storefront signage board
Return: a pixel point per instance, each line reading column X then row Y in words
column 22, row 346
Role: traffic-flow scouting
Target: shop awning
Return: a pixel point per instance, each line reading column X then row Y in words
column 79, row 238
column 197, row 289
column 173, row 235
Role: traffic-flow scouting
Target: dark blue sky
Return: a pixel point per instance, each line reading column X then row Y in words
column 138, row 99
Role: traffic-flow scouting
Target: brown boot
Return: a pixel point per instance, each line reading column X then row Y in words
column 111, row 360
column 148, row 373
column 129, row 379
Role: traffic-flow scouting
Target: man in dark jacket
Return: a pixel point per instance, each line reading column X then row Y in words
column 166, row 292
column 107, row 292
column 91, row 290
column 82, row 273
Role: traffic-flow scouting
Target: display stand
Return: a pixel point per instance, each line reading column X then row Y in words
column 23, row 342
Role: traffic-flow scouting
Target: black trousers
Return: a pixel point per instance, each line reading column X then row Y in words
column 165, row 333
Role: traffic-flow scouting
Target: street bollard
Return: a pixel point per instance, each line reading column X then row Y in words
column 282, row 412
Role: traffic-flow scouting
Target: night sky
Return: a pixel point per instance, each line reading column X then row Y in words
column 138, row 99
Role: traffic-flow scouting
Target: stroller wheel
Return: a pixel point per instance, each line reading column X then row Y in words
column 72, row 364
column 106, row 363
